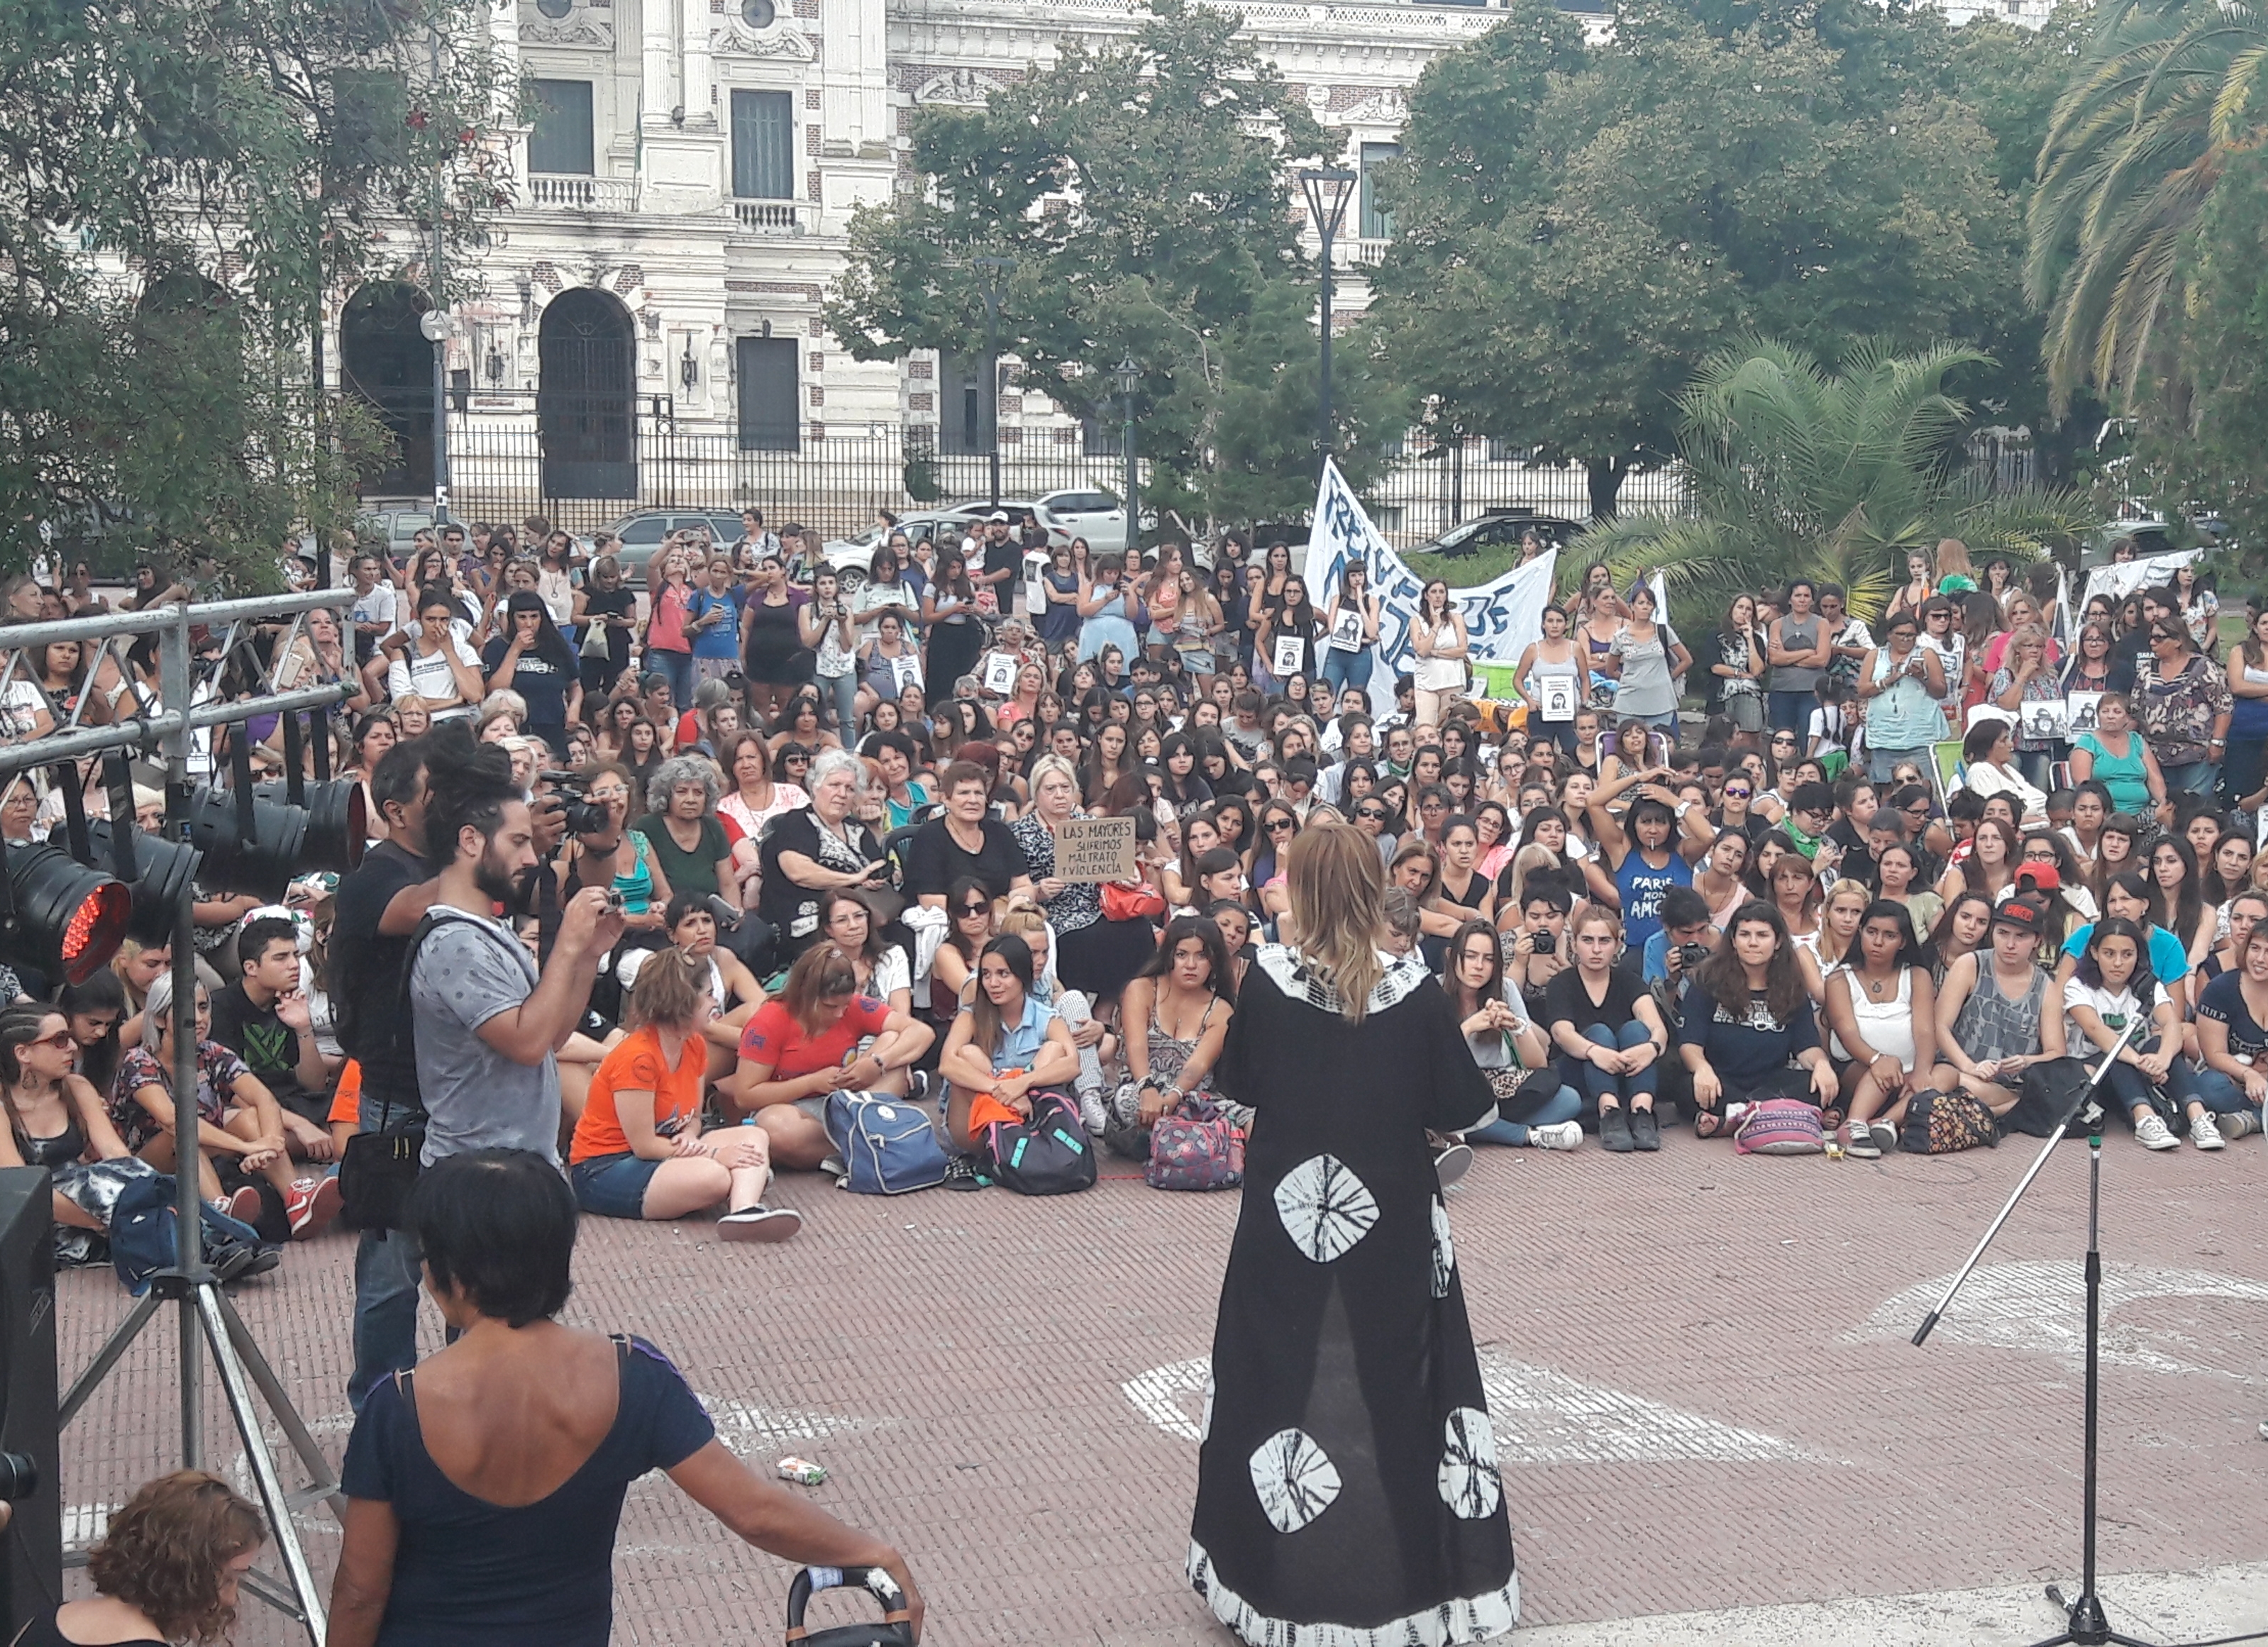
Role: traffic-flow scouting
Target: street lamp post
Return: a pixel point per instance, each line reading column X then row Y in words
column 1328, row 191
column 992, row 285
column 435, row 325
column 1129, row 378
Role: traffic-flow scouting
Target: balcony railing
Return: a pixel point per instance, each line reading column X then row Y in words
column 773, row 217
column 554, row 191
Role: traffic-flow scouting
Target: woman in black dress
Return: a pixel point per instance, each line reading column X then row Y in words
column 1347, row 1483
column 949, row 610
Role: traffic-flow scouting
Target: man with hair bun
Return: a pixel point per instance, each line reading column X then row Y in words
column 488, row 1024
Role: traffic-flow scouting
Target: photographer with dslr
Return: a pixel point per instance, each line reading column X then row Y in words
column 603, row 852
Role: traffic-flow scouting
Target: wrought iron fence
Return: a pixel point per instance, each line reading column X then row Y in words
column 505, row 463
column 512, row 455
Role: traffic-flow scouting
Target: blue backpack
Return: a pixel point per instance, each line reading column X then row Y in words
column 143, row 1221
column 888, row 1145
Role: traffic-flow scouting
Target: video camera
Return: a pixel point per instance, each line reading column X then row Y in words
column 584, row 816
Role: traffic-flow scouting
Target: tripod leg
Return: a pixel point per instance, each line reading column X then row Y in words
column 120, row 1339
column 323, row 1484
column 280, row 1524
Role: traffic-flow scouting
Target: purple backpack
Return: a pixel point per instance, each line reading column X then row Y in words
column 1193, row 1146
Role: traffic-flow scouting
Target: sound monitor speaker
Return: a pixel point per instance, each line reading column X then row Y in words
column 32, row 1549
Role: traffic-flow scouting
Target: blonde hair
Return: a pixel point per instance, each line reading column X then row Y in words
column 672, row 991
column 1531, row 860
column 1023, row 918
column 1845, row 887
column 1336, row 890
column 1050, row 766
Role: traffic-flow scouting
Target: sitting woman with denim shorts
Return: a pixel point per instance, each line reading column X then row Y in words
column 639, row 1151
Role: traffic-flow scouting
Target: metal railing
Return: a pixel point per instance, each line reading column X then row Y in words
column 509, row 459
column 770, row 218
column 555, row 191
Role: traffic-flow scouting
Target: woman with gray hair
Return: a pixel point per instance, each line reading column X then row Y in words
column 692, row 849
column 807, row 851
column 1094, row 956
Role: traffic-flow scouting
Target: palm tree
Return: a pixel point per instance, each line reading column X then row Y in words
column 2163, row 94
column 1793, row 470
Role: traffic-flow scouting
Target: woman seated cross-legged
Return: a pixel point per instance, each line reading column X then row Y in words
column 639, row 1150
column 1534, row 1107
column 1881, row 1017
column 2230, row 1012
column 1609, row 1034
column 1747, row 1021
column 819, row 1036
column 2149, row 1083
column 1004, row 1045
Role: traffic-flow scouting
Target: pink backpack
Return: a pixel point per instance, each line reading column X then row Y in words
column 1193, row 1146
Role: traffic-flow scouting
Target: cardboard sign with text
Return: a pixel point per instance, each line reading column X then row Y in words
column 1095, row 849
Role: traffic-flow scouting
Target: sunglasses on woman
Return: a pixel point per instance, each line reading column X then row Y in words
column 60, row 1040
column 967, row 910
column 1375, row 813
column 1276, row 826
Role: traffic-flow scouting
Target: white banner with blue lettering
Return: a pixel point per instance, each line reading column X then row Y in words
column 1501, row 617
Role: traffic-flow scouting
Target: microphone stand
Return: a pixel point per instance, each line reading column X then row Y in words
column 2085, row 1623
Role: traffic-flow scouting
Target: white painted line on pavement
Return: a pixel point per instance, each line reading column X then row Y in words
column 2041, row 1307
column 1540, row 1416
column 2154, row 1606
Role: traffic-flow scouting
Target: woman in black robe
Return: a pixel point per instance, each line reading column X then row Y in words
column 1347, row 1484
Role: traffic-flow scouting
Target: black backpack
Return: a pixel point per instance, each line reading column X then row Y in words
column 1048, row 1155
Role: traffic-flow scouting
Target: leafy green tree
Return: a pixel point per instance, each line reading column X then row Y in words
column 2165, row 96
column 2010, row 77
column 1706, row 170
column 186, row 179
column 1799, row 470
column 1140, row 187
column 2204, row 425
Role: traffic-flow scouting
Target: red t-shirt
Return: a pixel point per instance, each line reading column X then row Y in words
column 774, row 1037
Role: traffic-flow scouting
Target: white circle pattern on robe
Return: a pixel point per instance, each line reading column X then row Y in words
column 1444, row 1251
column 1467, row 1478
column 1295, row 1479
column 1325, row 1208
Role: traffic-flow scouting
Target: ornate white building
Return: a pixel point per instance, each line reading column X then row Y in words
column 649, row 326
column 648, row 330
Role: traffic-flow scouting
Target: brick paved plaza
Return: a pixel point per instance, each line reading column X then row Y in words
column 1697, row 1364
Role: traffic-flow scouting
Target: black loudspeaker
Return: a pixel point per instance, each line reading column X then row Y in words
column 32, row 1549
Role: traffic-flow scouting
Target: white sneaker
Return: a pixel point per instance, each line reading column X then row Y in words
column 2238, row 1123
column 2152, row 1133
column 1093, row 1110
column 2205, row 1135
column 1564, row 1134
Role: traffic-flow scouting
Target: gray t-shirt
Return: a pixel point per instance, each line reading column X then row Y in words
column 469, row 969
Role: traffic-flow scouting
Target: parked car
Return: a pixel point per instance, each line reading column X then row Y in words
column 852, row 556
column 395, row 529
column 1501, row 529
column 1097, row 516
column 643, row 531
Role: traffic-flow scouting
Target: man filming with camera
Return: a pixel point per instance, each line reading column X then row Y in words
column 466, row 1051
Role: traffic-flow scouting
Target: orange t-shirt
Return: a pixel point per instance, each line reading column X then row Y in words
column 636, row 1065
column 346, row 1103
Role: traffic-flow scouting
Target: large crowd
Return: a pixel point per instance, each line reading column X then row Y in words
column 657, row 879
column 780, row 842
